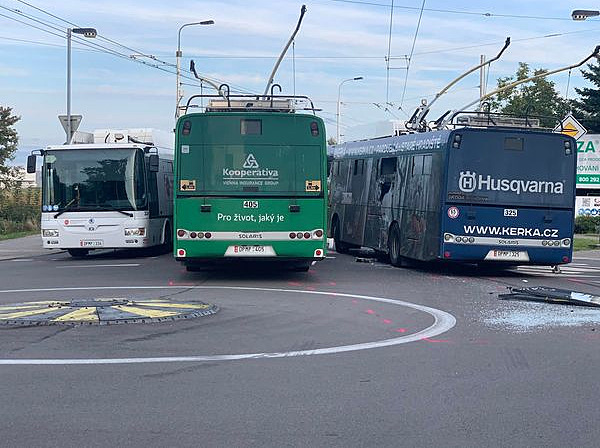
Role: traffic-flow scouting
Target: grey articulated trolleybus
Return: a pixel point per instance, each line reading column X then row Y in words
column 470, row 187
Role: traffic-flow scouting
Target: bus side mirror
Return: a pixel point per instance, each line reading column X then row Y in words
column 31, row 162
column 153, row 163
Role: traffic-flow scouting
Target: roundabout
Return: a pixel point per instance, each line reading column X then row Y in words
column 442, row 322
column 100, row 311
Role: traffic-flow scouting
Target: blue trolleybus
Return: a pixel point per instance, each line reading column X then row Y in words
column 470, row 194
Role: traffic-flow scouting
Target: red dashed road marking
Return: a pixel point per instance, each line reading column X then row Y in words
column 435, row 340
column 387, row 321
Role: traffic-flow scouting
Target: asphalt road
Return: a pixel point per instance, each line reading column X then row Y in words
column 301, row 359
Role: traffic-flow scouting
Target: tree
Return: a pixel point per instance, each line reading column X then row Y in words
column 8, row 141
column 587, row 108
column 537, row 97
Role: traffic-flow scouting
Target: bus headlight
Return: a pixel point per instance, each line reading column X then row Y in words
column 50, row 233
column 566, row 242
column 135, row 231
column 448, row 237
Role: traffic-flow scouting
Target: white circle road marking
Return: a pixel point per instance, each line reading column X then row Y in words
column 443, row 322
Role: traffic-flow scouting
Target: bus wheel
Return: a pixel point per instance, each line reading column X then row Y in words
column 394, row 246
column 168, row 244
column 78, row 253
column 340, row 247
column 304, row 267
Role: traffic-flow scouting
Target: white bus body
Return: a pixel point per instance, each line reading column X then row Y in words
column 108, row 193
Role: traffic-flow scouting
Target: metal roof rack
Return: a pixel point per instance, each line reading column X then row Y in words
column 253, row 103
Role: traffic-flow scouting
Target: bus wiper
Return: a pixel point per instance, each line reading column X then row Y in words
column 66, row 208
column 112, row 207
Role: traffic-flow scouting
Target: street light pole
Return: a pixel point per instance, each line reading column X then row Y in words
column 337, row 115
column 178, row 54
column 86, row 32
column 582, row 14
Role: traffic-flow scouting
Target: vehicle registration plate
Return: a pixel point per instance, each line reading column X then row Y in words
column 91, row 243
column 249, row 251
column 507, row 255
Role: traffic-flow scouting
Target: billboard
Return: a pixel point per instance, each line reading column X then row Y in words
column 587, row 206
column 588, row 161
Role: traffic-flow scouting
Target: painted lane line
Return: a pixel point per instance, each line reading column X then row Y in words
column 124, row 265
column 443, row 322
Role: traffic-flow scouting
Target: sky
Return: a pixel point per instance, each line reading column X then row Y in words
column 125, row 77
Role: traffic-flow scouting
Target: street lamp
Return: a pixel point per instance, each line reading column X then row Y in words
column 178, row 56
column 337, row 115
column 86, row 32
column 582, row 14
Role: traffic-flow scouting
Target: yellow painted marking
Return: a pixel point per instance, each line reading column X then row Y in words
column 27, row 313
column 87, row 314
column 144, row 312
column 173, row 305
column 18, row 307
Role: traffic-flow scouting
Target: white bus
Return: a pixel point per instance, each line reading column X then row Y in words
column 110, row 189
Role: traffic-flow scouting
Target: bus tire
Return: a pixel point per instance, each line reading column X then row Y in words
column 304, row 267
column 340, row 247
column 394, row 245
column 78, row 253
column 168, row 240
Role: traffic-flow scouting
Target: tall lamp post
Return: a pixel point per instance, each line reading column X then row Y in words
column 178, row 56
column 86, row 32
column 337, row 115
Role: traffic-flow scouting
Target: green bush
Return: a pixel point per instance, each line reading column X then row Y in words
column 587, row 224
column 19, row 209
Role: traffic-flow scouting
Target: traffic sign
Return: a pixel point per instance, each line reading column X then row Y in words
column 75, row 120
column 571, row 127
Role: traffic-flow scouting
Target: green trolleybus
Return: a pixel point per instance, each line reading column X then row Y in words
column 250, row 177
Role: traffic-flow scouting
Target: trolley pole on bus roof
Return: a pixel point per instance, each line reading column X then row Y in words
column 337, row 115
column 178, row 57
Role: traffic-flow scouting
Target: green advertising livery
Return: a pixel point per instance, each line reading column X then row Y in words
column 250, row 177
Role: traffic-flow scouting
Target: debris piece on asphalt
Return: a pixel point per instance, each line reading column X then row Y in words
column 552, row 295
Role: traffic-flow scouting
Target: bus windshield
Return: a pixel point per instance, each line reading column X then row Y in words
column 278, row 170
column 94, row 179
column 511, row 168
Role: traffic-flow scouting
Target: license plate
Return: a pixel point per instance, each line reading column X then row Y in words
column 250, row 251
column 507, row 255
column 91, row 243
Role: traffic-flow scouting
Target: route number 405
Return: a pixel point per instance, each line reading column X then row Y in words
column 510, row 212
column 250, row 204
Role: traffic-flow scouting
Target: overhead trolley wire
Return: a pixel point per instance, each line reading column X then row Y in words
column 186, row 75
column 412, row 49
column 453, row 11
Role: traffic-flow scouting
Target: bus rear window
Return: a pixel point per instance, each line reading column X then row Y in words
column 513, row 143
column 251, row 127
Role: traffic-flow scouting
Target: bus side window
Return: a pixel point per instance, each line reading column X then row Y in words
column 417, row 165
column 387, row 166
column 359, row 167
column 427, row 160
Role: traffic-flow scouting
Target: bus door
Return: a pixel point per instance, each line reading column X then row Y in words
column 356, row 212
column 381, row 193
